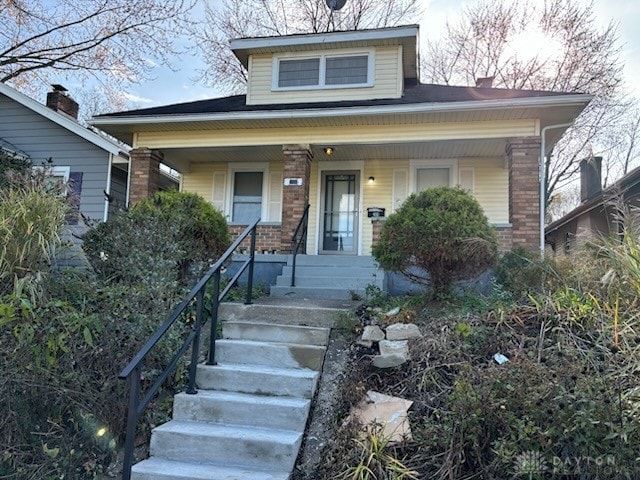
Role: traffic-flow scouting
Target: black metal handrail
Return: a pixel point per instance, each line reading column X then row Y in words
column 132, row 372
column 295, row 242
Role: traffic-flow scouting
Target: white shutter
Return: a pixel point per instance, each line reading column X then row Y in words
column 466, row 180
column 400, row 187
column 218, row 197
column 275, row 197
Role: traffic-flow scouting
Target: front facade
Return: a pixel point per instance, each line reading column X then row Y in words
column 339, row 121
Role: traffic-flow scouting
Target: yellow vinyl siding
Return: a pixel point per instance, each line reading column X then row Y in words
column 491, row 187
column 313, row 210
column 199, row 179
column 387, row 81
column 335, row 135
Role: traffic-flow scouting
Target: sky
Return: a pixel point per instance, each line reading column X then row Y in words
column 182, row 85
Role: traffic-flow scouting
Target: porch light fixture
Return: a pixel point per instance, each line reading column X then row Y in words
column 372, row 180
column 329, row 151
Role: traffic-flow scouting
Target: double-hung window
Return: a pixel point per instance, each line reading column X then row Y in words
column 324, row 71
column 247, row 197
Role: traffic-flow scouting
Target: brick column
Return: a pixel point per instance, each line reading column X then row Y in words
column 297, row 164
column 524, row 192
column 145, row 173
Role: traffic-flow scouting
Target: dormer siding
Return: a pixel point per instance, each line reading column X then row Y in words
column 386, row 81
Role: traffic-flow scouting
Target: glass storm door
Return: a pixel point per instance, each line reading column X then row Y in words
column 340, row 213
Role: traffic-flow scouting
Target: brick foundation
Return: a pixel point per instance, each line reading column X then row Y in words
column 145, row 174
column 505, row 241
column 267, row 238
column 295, row 198
column 376, row 231
column 524, row 191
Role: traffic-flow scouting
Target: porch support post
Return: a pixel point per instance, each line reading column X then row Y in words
column 297, row 164
column 524, row 191
column 144, row 173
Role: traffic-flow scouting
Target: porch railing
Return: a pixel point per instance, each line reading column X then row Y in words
column 133, row 371
column 299, row 238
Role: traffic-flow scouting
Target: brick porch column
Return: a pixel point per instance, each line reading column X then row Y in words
column 524, row 191
column 145, row 173
column 297, row 164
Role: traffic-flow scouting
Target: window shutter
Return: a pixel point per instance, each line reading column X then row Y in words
column 275, row 197
column 75, row 190
column 467, row 180
column 400, row 187
column 218, row 198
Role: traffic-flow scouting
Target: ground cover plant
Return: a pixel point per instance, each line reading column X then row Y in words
column 64, row 340
column 564, row 405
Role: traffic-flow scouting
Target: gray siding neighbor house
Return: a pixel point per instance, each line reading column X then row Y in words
column 93, row 163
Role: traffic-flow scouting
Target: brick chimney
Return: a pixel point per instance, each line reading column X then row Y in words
column 484, row 82
column 60, row 101
column 590, row 178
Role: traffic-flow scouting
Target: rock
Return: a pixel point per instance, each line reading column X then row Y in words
column 394, row 347
column 403, row 331
column 365, row 343
column 390, row 412
column 393, row 312
column 372, row 333
column 388, row 361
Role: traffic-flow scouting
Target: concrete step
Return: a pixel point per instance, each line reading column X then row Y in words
column 282, row 355
column 268, row 332
column 332, row 271
column 317, row 292
column 163, row 469
column 256, row 448
column 259, row 380
column 336, row 260
column 343, row 281
column 296, row 311
column 283, row 413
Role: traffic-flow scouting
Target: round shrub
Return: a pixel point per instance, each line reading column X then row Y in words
column 441, row 232
column 160, row 239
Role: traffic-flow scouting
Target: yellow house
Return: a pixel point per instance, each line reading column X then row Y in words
column 341, row 122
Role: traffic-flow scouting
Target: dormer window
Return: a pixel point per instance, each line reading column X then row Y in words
column 345, row 70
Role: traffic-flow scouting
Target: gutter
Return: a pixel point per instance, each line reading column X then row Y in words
column 542, row 170
column 552, row 101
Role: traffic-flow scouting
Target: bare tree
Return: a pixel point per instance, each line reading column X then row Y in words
column 114, row 41
column 231, row 19
column 551, row 45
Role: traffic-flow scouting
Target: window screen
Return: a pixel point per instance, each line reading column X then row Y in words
column 432, row 177
column 346, row 70
column 247, row 197
column 298, row 73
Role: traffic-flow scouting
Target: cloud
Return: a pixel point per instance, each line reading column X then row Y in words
column 131, row 97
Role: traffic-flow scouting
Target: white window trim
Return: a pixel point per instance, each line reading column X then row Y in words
column 451, row 164
column 248, row 167
column 370, row 53
column 57, row 171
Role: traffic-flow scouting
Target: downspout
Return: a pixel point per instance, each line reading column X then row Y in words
column 105, row 215
column 543, row 175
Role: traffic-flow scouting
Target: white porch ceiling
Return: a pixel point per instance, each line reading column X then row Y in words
column 181, row 158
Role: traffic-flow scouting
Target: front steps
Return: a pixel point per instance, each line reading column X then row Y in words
column 248, row 419
column 341, row 277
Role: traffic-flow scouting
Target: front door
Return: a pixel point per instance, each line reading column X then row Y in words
column 339, row 207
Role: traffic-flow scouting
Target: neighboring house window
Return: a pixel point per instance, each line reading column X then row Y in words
column 247, row 197
column 324, row 71
column 56, row 176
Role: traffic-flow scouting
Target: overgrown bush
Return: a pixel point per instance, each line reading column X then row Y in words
column 521, row 272
column 441, row 231
column 10, row 166
column 159, row 239
column 65, row 405
column 32, row 216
